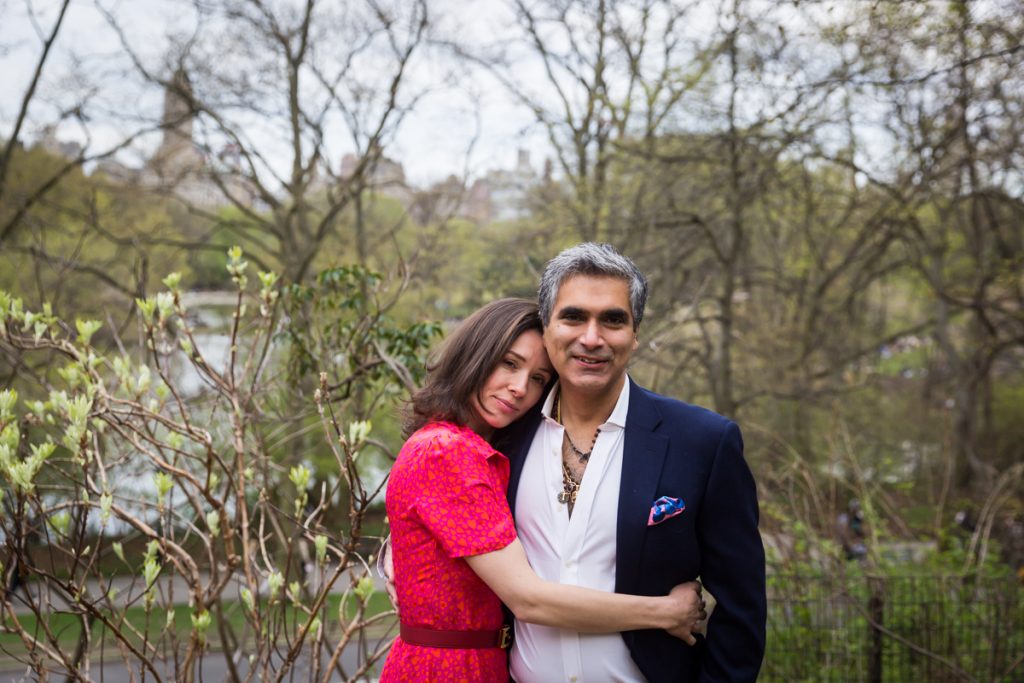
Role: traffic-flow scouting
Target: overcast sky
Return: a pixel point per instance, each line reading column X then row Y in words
column 460, row 111
column 432, row 142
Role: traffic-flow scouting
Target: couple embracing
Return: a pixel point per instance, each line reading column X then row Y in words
column 538, row 475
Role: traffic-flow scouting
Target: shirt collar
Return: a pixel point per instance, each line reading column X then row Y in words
column 619, row 412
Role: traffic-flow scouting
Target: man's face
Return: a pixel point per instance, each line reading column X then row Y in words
column 590, row 335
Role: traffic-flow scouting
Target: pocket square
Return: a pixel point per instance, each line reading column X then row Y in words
column 665, row 508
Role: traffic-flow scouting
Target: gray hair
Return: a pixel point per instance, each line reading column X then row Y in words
column 597, row 260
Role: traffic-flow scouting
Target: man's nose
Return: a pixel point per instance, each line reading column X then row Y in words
column 591, row 335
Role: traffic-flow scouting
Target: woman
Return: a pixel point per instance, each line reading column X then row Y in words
column 456, row 555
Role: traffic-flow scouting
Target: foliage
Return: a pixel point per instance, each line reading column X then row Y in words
column 78, row 248
column 329, row 319
column 209, row 481
column 894, row 627
column 897, row 614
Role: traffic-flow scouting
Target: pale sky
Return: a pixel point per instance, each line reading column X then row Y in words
column 432, row 142
column 461, row 111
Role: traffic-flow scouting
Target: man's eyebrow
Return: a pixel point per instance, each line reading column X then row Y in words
column 574, row 311
column 615, row 314
column 609, row 314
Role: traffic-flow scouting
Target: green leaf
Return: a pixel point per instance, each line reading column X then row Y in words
column 364, row 588
column 86, row 329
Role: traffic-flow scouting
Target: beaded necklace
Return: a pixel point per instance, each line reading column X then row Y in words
column 583, row 456
column 570, row 486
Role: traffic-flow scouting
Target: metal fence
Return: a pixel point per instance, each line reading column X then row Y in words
column 918, row 629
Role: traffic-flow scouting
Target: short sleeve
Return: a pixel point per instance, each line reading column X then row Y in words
column 460, row 501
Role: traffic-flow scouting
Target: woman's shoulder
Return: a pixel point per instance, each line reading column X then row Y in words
column 434, row 434
column 443, row 437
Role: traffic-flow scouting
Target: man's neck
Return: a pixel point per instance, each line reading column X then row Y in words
column 585, row 408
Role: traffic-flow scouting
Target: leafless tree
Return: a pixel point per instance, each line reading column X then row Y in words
column 950, row 87
column 266, row 97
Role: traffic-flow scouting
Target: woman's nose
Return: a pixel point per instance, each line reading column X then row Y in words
column 517, row 384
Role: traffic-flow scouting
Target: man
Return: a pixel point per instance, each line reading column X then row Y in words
column 617, row 488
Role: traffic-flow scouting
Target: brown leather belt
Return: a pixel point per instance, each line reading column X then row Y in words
column 429, row 637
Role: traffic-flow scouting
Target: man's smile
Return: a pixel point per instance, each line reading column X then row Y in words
column 592, row 361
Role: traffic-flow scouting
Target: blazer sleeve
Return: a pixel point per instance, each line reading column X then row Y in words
column 732, row 566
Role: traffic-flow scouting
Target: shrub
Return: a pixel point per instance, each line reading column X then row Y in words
column 167, row 520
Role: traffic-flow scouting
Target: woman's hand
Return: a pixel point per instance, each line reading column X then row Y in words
column 688, row 609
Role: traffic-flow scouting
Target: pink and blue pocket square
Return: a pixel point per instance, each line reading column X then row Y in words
column 665, row 508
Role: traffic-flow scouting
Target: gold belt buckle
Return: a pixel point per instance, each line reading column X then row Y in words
column 505, row 637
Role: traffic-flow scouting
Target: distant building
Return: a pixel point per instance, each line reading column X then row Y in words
column 118, row 173
column 382, row 175
column 49, row 142
column 184, row 169
column 439, row 202
column 71, row 150
column 502, row 194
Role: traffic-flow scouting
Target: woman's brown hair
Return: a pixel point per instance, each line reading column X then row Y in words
column 466, row 360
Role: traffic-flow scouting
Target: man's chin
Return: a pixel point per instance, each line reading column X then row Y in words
column 596, row 382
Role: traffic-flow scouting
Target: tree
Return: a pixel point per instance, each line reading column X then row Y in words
column 260, row 102
column 272, row 92
column 951, row 85
column 44, row 238
column 609, row 73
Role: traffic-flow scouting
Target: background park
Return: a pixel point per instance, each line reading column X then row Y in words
column 231, row 230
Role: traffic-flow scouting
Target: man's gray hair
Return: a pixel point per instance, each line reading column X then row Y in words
column 596, row 260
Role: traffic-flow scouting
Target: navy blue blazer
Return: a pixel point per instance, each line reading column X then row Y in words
column 683, row 451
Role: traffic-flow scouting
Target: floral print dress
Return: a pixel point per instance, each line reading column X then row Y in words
column 446, row 501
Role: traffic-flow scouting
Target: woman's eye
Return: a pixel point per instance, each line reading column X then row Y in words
column 540, row 379
column 509, row 363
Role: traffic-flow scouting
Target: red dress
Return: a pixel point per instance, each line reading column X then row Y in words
column 446, row 501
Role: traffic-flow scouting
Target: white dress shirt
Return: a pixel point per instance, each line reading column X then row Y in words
column 579, row 550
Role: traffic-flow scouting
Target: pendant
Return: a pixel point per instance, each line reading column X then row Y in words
column 563, row 497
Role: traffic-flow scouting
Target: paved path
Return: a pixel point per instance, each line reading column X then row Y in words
column 212, row 669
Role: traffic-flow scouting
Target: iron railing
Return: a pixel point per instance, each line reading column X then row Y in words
column 917, row 629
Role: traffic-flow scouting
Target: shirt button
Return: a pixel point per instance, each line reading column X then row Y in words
column 568, row 564
column 572, row 679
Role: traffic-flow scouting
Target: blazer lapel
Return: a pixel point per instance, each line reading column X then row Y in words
column 517, row 446
column 643, row 456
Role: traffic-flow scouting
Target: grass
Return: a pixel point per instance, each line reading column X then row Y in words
column 282, row 617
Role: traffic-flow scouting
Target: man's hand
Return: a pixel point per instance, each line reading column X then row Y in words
column 690, row 610
column 386, row 567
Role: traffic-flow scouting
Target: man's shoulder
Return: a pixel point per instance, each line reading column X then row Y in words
column 675, row 411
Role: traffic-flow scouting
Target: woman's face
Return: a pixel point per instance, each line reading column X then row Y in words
column 514, row 386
